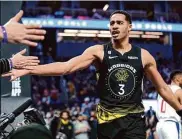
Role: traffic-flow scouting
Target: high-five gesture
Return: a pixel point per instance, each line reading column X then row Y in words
column 16, row 73
column 20, row 33
column 20, row 61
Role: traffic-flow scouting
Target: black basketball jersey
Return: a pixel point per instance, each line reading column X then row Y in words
column 120, row 80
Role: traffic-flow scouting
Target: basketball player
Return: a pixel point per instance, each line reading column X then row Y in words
column 121, row 67
column 169, row 125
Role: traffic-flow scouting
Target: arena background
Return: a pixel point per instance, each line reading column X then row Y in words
column 73, row 26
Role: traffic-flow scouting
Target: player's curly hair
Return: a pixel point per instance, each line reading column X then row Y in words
column 174, row 73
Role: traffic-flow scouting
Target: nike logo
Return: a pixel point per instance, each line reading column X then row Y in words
column 111, row 57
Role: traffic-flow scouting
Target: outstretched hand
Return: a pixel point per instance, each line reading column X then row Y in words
column 16, row 73
column 23, row 34
column 20, row 61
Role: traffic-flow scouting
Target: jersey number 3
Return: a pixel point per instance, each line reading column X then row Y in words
column 121, row 89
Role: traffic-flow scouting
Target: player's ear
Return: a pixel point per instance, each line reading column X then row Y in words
column 130, row 27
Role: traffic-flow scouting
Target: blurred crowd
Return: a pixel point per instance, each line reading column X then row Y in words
column 152, row 11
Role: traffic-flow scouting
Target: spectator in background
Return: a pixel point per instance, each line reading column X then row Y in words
column 55, row 99
column 76, row 109
column 93, row 125
column 48, row 119
column 46, row 100
column 86, row 106
column 151, row 122
column 81, row 128
column 65, row 125
column 152, row 94
column 54, row 124
column 71, row 93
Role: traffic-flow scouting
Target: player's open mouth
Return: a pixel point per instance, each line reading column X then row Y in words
column 115, row 33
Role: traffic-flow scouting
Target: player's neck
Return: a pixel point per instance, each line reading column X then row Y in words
column 121, row 44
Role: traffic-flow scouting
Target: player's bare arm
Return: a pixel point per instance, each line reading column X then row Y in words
column 77, row 63
column 90, row 55
column 152, row 74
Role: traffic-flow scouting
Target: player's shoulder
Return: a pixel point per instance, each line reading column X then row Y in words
column 99, row 46
column 93, row 47
column 147, row 59
column 96, row 48
column 178, row 91
column 146, row 55
column 102, row 46
column 145, row 52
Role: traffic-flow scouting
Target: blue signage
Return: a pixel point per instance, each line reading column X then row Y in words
column 101, row 24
